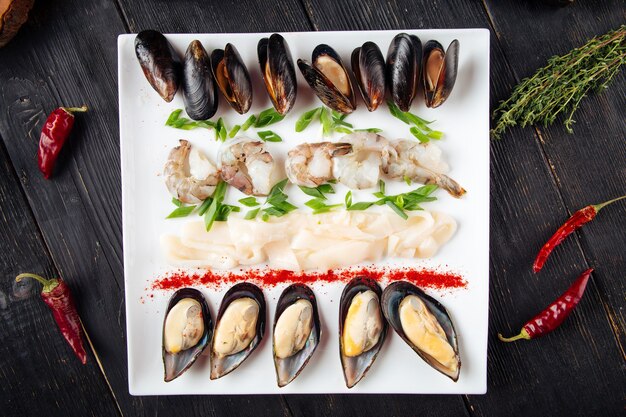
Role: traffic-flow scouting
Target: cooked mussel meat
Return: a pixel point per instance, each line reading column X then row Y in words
column 404, row 59
column 278, row 72
column 160, row 63
column 425, row 325
column 187, row 328
column 297, row 332
column 362, row 328
column 199, row 91
column 239, row 328
column 368, row 66
column 232, row 78
column 329, row 79
column 440, row 70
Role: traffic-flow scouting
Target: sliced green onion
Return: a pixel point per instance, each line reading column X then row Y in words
column 252, row 214
column 249, row 202
column 183, row 211
column 304, row 120
column 249, row 122
column 269, row 136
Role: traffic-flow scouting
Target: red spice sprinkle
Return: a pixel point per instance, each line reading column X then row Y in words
column 424, row 278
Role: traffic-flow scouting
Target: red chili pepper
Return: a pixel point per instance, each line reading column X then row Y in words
column 53, row 136
column 552, row 317
column 582, row 216
column 57, row 295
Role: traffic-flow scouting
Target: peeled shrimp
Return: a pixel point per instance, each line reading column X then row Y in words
column 311, row 164
column 191, row 185
column 423, row 163
column 247, row 165
column 361, row 168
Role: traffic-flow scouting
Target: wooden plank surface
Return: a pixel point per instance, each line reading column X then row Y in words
column 518, row 213
column 38, row 370
column 66, row 54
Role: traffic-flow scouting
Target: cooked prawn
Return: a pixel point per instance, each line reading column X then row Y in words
column 423, row 163
column 311, row 164
column 247, row 165
column 361, row 168
column 195, row 183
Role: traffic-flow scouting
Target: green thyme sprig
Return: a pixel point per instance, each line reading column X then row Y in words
column 560, row 86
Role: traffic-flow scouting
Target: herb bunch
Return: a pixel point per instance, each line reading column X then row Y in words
column 560, row 86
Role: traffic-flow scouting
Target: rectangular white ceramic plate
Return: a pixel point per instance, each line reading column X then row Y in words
column 145, row 143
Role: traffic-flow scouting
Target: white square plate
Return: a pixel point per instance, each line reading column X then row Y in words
column 146, row 141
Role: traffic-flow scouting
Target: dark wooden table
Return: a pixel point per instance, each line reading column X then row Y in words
column 66, row 54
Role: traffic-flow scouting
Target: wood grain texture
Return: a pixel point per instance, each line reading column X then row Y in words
column 555, row 371
column 66, row 54
column 38, row 370
column 589, row 165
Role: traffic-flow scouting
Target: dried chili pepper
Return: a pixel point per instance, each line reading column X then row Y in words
column 57, row 295
column 553, row 315
column 582, row 216
column 53, row 136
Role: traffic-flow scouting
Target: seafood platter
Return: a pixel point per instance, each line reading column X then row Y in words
column 306, row 212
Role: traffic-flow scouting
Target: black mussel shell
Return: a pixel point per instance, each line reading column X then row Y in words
column 199, row 91
column 160, row 63
column 221, row 366
column 338, row 98
column 368, row 66
column 287, row 369
column 176, row 364
column 393, row 296
column 439, row 72
column 278, row 72
column 232, row 78
column 355, row 368
column 403, row 69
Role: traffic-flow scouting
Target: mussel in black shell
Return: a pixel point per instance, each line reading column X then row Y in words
column 232, row 78
column 160, row 63
column 297, row 332
column 187, row 328
column 199, row 91
column 440, row 70
column 368, row 66
column 403, row 69
column 278, row 72
column 362, row 328
column 329, row 79
column 239, row 328
column 424, row 324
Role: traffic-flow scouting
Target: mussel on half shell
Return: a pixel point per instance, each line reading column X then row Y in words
column 187, row 329
column 278, row 72
column 404, row 59
column 440, row 70
column 239, row 328
column 424, row 324
column 368, row 66
column 296, row 332
column 160, row 63
column 329, row 79
column 199, row 91
column 362, row 328
column 232, row 77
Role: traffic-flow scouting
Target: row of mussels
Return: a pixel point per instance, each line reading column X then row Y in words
column 421, row 321
column 407, row 66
